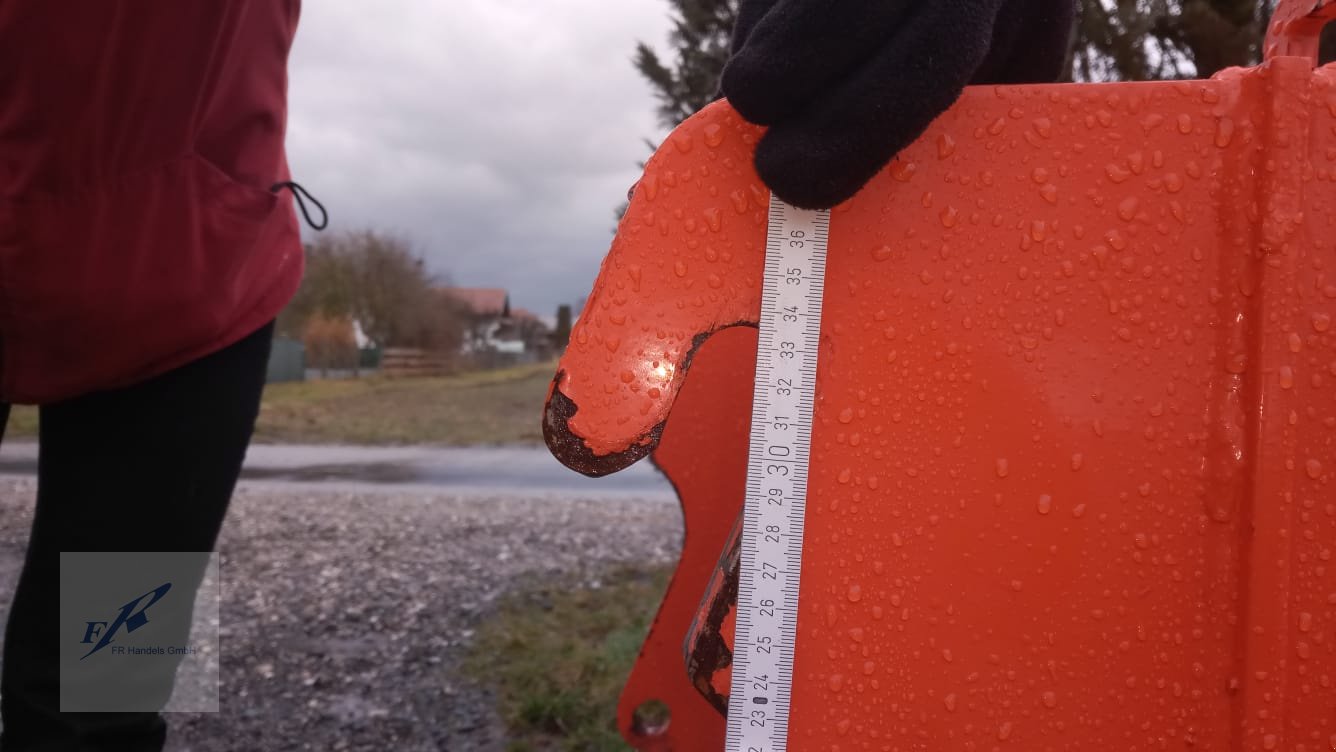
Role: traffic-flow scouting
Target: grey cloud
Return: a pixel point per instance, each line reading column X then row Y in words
column 496, row 135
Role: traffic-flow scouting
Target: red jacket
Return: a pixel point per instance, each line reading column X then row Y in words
column 139, row 140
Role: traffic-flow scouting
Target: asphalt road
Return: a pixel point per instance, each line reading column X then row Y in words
column 458, row 469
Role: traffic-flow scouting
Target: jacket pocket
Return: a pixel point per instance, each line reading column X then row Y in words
column 103, row 283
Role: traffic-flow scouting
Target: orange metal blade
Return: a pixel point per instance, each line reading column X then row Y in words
column 1072, row 476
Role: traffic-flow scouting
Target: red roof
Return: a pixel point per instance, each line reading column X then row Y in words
column 482, row 301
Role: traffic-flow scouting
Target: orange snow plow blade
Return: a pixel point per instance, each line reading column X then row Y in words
column 1073, row 479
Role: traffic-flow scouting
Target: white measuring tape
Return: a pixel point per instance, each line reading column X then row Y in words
column 777, row 463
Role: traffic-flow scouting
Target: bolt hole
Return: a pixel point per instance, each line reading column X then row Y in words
column 651, row 718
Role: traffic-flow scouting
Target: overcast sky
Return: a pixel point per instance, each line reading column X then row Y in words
column 496, row 136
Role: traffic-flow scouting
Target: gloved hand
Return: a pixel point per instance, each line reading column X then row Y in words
column 845, row 85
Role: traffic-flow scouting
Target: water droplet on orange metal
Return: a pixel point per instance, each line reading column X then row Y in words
column 1224, row 132
column 1185, row 124
column 1314, row 468
column 714, row 219
column 946, row 146
column 950, row 216
column 1004, row 731
column 1045, row 504
column 1321, row 322
column 835, row 682
column 846, row 415
column 1116, row 173
column 1127, row 208
column 1050, row 699
column 680, row 268
column 882, row 253
column 714, row 135
column 650, row 185
column 740, row 202
column 1003, row 467
column 855, row 593
column 950, row 702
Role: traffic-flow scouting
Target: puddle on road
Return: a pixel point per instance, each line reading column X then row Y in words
column 497, row 469
column 363, row 472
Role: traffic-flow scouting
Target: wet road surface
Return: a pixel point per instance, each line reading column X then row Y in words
column 484, row 469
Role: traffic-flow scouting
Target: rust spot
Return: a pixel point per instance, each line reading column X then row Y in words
column 709, row 652
column 571, row 450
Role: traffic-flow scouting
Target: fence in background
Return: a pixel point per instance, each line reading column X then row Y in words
column 411, row 361
column 287, row 361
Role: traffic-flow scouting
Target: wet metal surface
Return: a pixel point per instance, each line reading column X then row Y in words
column 1071, row 481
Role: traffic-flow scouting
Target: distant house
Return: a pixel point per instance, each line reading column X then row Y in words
column 496, row 334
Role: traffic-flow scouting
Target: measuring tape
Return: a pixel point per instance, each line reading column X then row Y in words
column 777, row 463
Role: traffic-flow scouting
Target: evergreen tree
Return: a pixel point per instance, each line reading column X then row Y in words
column 698, row 50
column 1137, row 40
column 1115, row 40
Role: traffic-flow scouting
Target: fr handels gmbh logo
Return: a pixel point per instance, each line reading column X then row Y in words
column 131, row 617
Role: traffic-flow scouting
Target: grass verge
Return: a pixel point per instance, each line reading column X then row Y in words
column 22, row 421
column 556, row 657
column 485, row 407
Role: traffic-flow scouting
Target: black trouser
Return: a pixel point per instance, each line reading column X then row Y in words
column 146, row 468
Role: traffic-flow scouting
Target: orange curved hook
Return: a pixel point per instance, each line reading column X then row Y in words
column 685, row 263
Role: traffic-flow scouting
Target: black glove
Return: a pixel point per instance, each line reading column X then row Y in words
column 845, row 85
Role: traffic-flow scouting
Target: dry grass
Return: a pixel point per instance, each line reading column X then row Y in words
column 22, row 421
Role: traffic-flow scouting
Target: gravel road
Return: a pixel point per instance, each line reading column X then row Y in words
column 345, row 612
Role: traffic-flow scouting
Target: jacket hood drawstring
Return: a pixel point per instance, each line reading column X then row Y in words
column 299, row 193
